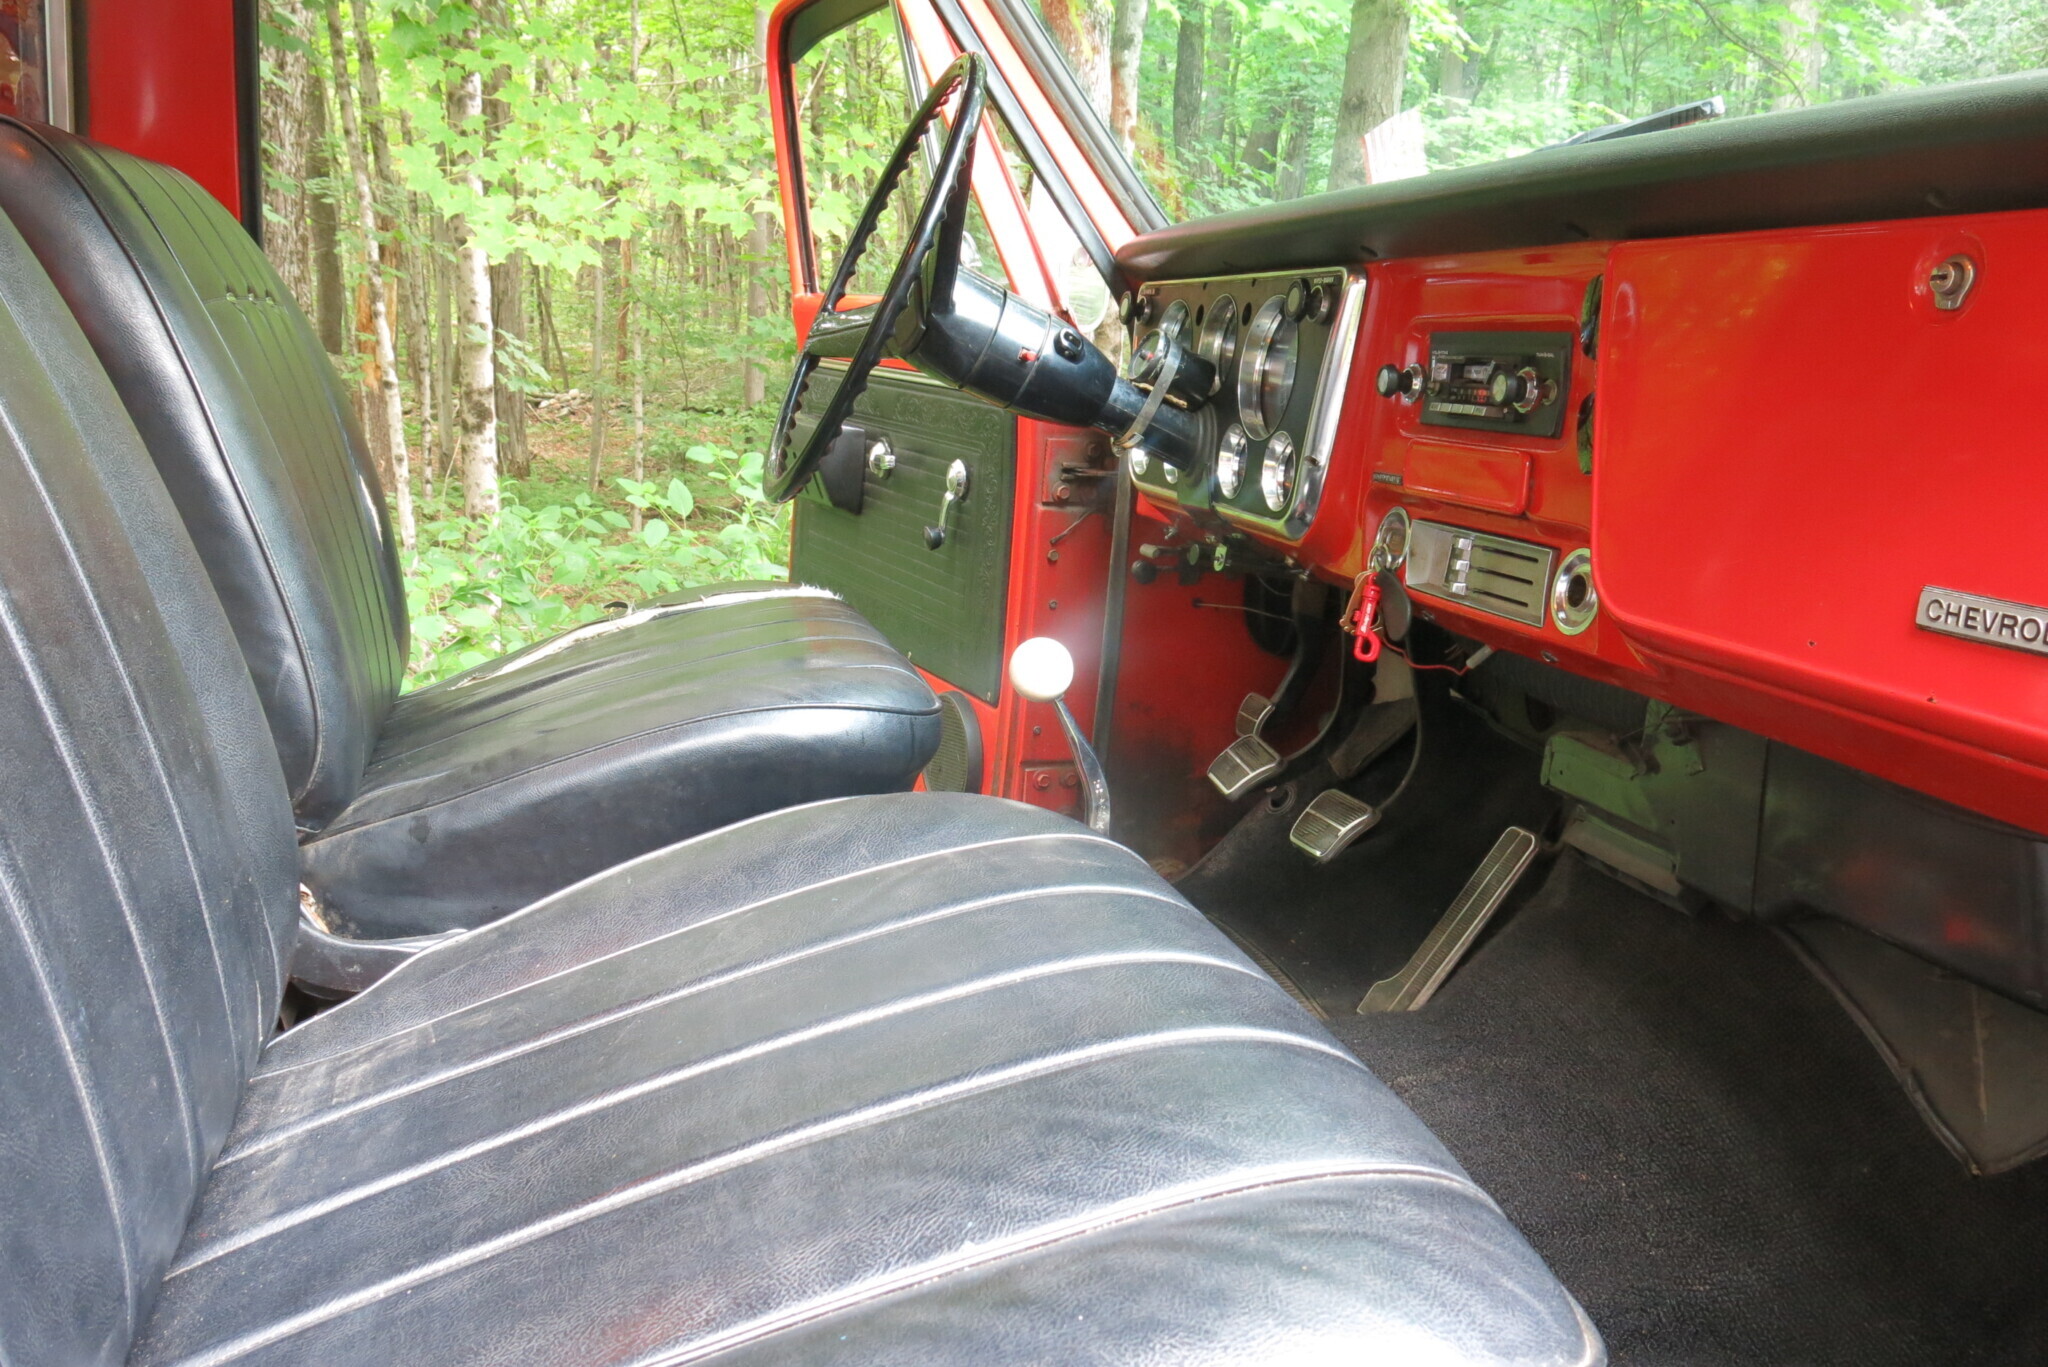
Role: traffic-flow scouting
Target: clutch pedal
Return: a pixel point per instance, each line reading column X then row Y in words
column 1247, row 763
column 1328, row 825
column 1482, row 895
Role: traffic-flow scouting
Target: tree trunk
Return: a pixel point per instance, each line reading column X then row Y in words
column 287, row 128
column 444, row 351
column 420, row 336
column 598, row 346
column 1374, row 62
column 634, row 326
column 324, row 224
column 1188, row 72
column 1801, row 39
column 1126, row 46
column 1082, row 30
column 373, row 272
column 1294, row 160
column 478, row 416
column 1262, row 148
column 508, row 306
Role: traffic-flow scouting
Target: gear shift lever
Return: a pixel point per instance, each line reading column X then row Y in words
column 1041, row 669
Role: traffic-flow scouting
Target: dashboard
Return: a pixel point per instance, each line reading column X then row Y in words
column 1787, row 478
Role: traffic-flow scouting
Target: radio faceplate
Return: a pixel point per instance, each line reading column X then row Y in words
column 1499, row 381
column 1491, row 573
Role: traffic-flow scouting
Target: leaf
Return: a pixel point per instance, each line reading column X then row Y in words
column 655, row 532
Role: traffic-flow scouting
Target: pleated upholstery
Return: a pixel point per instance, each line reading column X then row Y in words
column 146, row 867
column 502, row 785
column 250, row 430
column 949, row 1078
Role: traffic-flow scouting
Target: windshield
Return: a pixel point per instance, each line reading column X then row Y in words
column 1225, row 104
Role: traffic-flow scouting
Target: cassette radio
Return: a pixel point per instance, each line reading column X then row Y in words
column 1498, row 381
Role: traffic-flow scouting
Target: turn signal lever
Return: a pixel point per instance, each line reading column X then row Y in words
column 1041, row 669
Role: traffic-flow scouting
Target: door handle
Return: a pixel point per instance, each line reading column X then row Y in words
column 956, row 494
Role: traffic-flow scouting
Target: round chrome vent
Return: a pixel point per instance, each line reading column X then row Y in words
column 1574, row 602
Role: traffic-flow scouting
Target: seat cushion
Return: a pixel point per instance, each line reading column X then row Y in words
column 523, row 775
column 918, row 1078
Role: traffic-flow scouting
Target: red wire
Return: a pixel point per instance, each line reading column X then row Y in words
column 1415, row 664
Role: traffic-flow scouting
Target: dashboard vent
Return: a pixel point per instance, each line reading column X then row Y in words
column 1490, row 573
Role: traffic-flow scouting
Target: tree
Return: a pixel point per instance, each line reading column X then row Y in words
column 1375, row 59
column 1188, row 58
column 390, row 408
column 477, row 411
column 1127, row 45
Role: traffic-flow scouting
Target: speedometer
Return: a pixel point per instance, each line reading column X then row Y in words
column 1265, row 372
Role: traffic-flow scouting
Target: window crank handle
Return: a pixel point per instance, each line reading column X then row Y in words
column 956, row 494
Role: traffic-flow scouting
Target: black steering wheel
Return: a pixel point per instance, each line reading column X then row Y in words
column 923, row 281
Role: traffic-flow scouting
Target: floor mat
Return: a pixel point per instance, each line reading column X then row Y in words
column 1707, row 1150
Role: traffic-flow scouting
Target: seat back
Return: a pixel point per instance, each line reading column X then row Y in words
column 240, row 409
column 147, row 861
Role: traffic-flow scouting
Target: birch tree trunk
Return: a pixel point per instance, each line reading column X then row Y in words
column 477, row 416
column 373, row 272
column 634, row 325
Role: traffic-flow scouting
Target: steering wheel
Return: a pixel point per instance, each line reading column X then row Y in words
column 924, row 279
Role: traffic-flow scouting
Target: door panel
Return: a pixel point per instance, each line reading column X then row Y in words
column 943, row 608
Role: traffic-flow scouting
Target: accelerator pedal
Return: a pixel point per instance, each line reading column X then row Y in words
column 1483, row 893
column 1328, row 825
column 1243, row 766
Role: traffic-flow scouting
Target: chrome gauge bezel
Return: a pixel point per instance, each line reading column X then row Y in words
column 1276, row 473
column 1216, row 339
column 1258, row 391
column 1176, row 321
column 1232, row 455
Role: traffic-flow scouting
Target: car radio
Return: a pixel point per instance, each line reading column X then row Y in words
column 1498, row 381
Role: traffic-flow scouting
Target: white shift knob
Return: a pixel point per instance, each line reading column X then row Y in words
column 1041, row 669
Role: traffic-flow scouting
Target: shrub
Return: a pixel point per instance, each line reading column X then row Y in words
column 478, row 587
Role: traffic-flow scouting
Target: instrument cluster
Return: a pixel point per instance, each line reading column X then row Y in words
column 1262, row 362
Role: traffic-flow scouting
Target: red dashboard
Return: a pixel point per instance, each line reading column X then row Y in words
column 1812, row 488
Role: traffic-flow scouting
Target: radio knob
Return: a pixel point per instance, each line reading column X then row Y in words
column 1297, row 301
column 1520, row 390
column 1392, row 381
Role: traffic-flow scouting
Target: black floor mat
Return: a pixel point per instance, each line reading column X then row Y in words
column 1711, row 1156
column 1337, row 929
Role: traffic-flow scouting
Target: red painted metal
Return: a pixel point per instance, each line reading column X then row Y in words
column 160, row 82
column 1818, row 443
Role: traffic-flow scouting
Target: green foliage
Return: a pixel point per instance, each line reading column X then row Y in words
column 1499, row 78
column 478, row 587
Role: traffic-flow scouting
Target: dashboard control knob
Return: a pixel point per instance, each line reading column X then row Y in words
column 1136, row 309
column 1392, row 381
column 1322, row 302
column 1520, row 390
column 1297, row 300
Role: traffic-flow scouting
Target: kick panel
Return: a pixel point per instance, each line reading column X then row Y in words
column 940, row 605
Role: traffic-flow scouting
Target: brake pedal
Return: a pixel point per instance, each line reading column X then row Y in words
column 1247, row 763
column 1481, row 897
column 1328, row 825
column 1253, row 714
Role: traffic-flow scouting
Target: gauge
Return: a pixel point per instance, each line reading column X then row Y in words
column 1217, row 341
column 1175, row 322
column 1265, row 371
column 1230, row 461
column 1276, row 473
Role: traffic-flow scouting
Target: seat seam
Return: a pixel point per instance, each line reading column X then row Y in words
column 1083, row 836
column 306, row 1124
column 687, row 1072
column 648, row 1188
